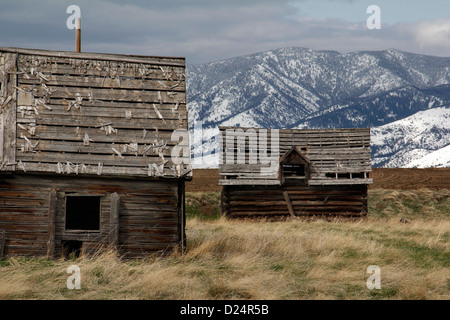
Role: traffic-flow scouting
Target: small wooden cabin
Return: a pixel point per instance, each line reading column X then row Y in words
column 296, row 172
column 86, row 143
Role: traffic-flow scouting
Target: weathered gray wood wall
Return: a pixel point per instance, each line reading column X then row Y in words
column 334, row 153
column 99, row 114
column 150, row 215
column 336, row 166
column 92, row 124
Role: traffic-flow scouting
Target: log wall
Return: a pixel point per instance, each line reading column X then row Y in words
column 148, row 214
column 294, row 200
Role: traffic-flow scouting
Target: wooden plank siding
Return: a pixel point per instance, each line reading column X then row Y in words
column 88, row 110
column 91, row 130
column 304, row 201
column 148, row 214
column 8, row 105
column 52, row 212
column 313, row 172
column 334, row 153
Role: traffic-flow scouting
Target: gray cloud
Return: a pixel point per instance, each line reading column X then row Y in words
column 204, row 30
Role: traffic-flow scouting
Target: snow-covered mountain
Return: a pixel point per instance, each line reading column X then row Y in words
column 421, row 140
column 303, row 88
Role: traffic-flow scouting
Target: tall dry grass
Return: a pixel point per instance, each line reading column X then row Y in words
column 294, row 259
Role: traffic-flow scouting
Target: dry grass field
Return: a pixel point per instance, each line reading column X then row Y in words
column 406, row 234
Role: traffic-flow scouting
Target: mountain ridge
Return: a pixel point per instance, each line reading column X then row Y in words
column 304, row 88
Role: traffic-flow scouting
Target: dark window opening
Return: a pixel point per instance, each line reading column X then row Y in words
column 330, row 175
column 82, row 213
column 71, row 248
column 358, row 175
column 294, row 170
column 343, row 175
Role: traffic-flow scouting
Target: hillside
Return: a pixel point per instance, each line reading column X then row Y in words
column 421, row 140
column 303, row 88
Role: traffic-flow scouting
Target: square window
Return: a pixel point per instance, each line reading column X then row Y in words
column 83, row 213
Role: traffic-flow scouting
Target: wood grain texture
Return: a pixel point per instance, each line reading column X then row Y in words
column 331, row 153
column 139, row 216
column 52, row 211
column 298, row 200
column 109, row 103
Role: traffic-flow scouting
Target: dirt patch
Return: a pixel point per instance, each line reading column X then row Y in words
column 204, row 180
column 410, row 179
column 383, row 178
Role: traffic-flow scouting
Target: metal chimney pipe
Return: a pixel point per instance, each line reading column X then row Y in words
column 78, row 34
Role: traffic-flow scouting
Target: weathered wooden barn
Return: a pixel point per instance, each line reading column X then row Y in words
column 87, row 149
column 294, row 172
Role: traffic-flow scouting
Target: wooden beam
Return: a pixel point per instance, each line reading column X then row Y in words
column 157, row 82
column 2, row 243
column 114, row 220
column 250, row 182
column 364, row 201
column 2, row 134
column 222, row 201
column 325, row 182
column 52, row 207
column 156, row 60
column 181, row 216
column 289, row 204
column 9, row 111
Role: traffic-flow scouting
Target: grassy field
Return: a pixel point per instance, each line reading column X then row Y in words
column 406, row 234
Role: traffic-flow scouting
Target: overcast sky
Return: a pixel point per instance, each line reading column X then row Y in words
column 211, row 30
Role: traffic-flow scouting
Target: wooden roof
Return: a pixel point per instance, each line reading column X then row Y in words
column 91, row 113
column 297, row 150
column 338, row 156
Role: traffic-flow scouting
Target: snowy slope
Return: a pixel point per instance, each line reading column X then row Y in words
column 420, row 140
column 438, row 159
column 303, row 88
